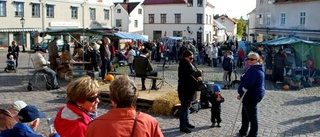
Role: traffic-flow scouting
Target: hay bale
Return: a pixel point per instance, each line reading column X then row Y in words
column 164, row 104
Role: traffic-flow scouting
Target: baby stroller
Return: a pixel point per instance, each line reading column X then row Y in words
column 11, row 65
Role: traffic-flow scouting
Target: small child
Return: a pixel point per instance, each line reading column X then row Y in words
column 216, row 99
column 10, row 61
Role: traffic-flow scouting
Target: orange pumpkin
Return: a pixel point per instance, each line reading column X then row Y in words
column 109, row 77
column 286, row 87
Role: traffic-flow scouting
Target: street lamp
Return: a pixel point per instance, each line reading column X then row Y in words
column 22, row 21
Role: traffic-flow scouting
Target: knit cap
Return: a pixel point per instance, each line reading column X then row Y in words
column 216, row 88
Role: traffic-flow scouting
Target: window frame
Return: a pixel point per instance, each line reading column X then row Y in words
column 93, row 14
column 18, row 11
column 118, row 23
column 35, row 10
column 303, row 18
column 151, row 18
column 140, row 11
column 3, row 8
column 74, row 12
column 282, row 19
column 50, row 11
column 136, row 23
column 177, row 18
column 106, row 14
column 163, row 18
column 199, row 18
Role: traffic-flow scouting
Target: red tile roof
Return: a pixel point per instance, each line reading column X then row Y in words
column 153, row 2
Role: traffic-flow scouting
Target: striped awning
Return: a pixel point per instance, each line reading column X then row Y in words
column 19, row 29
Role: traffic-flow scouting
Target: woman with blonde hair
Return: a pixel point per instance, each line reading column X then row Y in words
column 251, row 91
column 82, row 100
column 124, row 120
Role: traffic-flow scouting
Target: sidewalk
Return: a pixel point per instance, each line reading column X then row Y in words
column 281, row 113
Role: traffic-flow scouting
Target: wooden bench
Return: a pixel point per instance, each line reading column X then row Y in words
column 134, row 76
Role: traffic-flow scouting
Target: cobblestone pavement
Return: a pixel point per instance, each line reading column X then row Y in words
column 281, row 113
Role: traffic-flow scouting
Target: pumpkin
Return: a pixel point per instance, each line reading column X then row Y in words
column 286, row 87
column 109, row 77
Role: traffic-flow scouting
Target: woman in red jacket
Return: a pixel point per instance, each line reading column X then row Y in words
column 82, row 100
column 124, row 120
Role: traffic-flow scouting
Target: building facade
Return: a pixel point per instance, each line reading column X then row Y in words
column 128, row 17
column 276, row 18
column 180, row 18
column 42, row 15
column 230, row 24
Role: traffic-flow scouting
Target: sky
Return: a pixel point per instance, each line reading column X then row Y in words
column 233, row 8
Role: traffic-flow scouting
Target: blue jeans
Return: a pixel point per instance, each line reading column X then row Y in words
column 184, row 112
column 249, row 116
column 200, row 58
column 52, row 74
column 131, row 68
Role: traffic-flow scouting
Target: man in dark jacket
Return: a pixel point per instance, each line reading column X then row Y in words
column 27, row 125
column 143, row 68
column 279, row 65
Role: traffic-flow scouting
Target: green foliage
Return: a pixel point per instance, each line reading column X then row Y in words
column 241, row 27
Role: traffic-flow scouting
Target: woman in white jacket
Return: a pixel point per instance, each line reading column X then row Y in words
column 130, row 57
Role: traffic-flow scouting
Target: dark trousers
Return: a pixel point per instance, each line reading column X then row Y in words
column 214, row 61
column 104, row 66
column 131, row 68
column 154, row 82
column 215, row 113
column 184, row 112
column 249, row 116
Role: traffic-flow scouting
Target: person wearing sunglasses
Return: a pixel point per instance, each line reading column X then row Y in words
column 124, row 120
column 81, row 105
column 188, row 77
column 251, row 91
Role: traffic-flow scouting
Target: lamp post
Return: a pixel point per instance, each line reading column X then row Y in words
column 22, row 21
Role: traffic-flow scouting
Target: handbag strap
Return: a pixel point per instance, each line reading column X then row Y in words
column 134, row 123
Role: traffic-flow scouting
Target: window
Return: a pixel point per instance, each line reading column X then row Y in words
column 118, row 10
column 190, row 3
column 261, row 19
column 302, row 18
column 177, row 33
column 3, row 10
column 177, row 18
column 74, row 12
column 35, row 10
column 207, row 19
column 18, row 9
column 282, row 18
column 200, row 3
column 136, row 23
column 151, row 18
column 118, row 23
column 139, row 11
column 163, row 18
column 210, row 19
column 106, row 14
column 199, row 18
column 50, row 11
column 222, row 20
column 92, row 13
column 268, row 20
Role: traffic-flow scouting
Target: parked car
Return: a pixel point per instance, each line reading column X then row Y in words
column 44, row 44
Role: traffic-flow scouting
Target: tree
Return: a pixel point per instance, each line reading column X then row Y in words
column 241, row 27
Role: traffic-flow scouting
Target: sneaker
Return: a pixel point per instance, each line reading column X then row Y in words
column 190, row 126
column 218, row 125
column 185, row 130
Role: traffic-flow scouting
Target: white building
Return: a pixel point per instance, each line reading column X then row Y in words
column 41, row 15
column 128, row 17
column 275, row 18
column 180, row 18
column 230, row 24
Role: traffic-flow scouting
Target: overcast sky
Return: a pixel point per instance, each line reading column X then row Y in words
column 233, row 8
